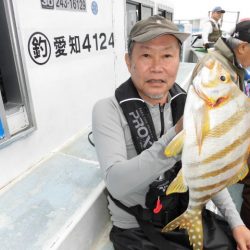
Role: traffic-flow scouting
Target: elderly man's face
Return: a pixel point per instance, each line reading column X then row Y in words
column 244, row 55
column 153, row 66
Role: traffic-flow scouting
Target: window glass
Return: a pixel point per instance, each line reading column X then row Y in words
column 146, row 12
column 15, row 109
column 169, row 16
column 162, row 12
column 132, row 11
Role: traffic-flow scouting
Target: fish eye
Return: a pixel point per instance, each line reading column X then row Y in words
column 223, row 78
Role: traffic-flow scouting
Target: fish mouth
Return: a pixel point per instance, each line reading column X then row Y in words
column 216, row 103
column 213, row 102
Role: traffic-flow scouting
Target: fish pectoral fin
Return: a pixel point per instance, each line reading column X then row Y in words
column 248, row 159
column 175, row 146
column 202, row 125
column 177, row 185
column 192, row 222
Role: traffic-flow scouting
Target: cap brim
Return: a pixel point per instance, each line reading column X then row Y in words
column 221, row 11
column 160, row 32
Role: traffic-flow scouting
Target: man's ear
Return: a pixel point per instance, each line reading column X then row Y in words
column 128, row 61
column 242, row 47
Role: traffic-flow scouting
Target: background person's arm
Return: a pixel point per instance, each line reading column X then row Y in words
column 226, row 206
column 207, row 29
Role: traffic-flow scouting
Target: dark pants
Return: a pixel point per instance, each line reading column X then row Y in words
column 135, row 239
column 217, row 236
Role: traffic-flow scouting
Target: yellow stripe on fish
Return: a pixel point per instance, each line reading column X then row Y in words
column 229, row 148
column 217, row 187
column 225, row 168
column 229, row 124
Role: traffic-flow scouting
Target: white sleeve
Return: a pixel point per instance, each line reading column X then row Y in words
column 207, row 29
column 226, row 206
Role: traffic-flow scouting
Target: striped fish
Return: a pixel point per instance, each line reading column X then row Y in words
column 215, row 144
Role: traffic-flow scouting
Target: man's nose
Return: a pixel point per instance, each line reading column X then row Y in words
column 157, row 64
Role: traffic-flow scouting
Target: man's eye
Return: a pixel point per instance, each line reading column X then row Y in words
column 167, row 56
column 145, row 55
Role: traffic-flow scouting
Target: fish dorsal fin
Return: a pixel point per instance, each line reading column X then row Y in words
column 210, row 63
column 241, row 175
column 248, row 154
column 244, row 171
column 248, row 101
column 175, row 146
column 177, row 185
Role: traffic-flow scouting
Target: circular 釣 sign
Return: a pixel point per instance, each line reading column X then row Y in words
column 39, row 48
column 94, row 7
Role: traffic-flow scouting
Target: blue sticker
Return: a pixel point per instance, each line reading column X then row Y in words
column 1, row 130
column 94, row 7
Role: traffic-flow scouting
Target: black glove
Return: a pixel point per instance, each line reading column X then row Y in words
column 206, row 45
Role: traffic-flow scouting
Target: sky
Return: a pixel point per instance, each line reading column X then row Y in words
column 193, row 9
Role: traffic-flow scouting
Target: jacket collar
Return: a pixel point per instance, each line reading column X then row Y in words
column 224, row 49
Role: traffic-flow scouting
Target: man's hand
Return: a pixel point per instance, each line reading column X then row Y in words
column 208, row 45
column 179, row 125
column 242, row 237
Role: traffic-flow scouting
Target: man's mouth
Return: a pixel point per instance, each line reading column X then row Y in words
column 155, row 81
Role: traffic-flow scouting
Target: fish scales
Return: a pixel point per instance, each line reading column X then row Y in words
column 215, row 144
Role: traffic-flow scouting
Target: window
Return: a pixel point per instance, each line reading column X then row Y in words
column 16, row 118
column 165, row 11
column 132, row 11
column 169, row 15
column 146, row 11
column 162, row 12
column 136, row 11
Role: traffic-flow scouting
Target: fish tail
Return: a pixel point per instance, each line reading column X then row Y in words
column 190, row 220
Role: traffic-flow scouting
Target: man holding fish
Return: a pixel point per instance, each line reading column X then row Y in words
column 131, row 131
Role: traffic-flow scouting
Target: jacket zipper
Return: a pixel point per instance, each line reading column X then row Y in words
column 161, row 108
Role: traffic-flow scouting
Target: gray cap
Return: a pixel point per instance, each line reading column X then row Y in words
column 218, row 9
column 153, row 27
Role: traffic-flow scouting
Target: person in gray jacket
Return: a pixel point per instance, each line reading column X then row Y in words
column 131, row 131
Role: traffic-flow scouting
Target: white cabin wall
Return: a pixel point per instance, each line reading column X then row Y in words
column 119, row 22
column 64, row 90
